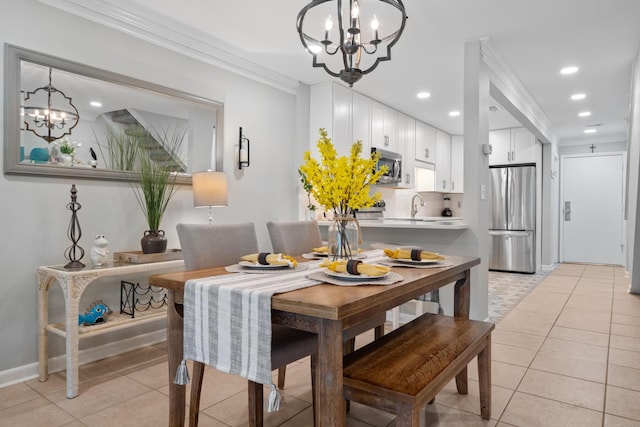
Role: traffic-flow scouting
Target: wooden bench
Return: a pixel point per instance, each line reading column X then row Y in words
column 405, row 369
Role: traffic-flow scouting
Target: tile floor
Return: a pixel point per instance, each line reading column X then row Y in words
column 567, row 355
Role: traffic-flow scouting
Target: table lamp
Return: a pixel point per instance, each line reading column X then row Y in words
column 209, row 189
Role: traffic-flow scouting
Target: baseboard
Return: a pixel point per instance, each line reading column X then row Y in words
column 548, row 267
column 56, row 364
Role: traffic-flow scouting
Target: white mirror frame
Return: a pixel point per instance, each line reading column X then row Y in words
column 15, row 55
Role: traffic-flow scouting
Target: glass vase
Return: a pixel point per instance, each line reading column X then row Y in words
column 343, row 238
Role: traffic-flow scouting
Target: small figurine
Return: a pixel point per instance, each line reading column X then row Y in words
column 99, row 252
column 98, row 312
column 94, row 158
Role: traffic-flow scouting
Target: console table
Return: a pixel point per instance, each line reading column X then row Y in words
column 73, row 283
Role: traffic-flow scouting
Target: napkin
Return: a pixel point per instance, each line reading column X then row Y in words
column 414, row 254
column 265, row 258
column 356, row 267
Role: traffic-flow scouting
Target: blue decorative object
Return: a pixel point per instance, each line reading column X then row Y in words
column 39, row 155
column 98, row 312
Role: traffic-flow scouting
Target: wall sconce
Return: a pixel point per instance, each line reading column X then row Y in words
column 243, row 151
column 209, row 189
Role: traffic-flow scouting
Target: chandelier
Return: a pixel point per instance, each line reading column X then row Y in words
column 350, row 51
column 49, row 113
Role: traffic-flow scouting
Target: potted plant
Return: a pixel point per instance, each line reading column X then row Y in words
column 155, row 188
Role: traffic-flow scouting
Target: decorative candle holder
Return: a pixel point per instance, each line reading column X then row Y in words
column 74, row 253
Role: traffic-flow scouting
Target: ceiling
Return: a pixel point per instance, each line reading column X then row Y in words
column 535, row 38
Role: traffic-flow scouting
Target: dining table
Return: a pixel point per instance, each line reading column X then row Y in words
column 325, row 309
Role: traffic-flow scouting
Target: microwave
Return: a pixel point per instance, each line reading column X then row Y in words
column 393, row 162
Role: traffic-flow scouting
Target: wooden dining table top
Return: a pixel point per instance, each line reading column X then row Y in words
column 337, row 302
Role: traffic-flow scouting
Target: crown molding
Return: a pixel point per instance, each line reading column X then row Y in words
column 150, row 26
column 506, row 82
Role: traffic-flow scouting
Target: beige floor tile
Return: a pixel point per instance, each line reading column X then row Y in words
column 625, row 343
column 535, row 307
column 590, row 303
column 154, row 376
column 370, row 416
column 471, row 402
column 233, row 410
column 580, row 336
column 575, row 350
column 513, row 355
column 95, row 399
column 623, row 376
column 205, row 420
column 574, row 391
column 34, row 413
column 614, row 421
column 135, row 360
column 516, row 339
column 528, row 323
column 146, row 410
column 626, row 319
column 525, row 410
column 577, row 368
column 623, row 402
column 585, row 320
column 627, row 358
column 305, row 418
column 298, row 382
column 503, row 375
column 629, row 306
column 76, row 423
column 442, row 416
column 55, row 382
column 16, row 394
column 626, row 330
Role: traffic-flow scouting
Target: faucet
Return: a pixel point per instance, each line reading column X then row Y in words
column 414, row 207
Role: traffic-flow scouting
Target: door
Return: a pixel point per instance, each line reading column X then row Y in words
column 522, row 198
column 592, row 209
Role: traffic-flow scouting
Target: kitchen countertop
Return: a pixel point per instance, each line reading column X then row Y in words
column 440, row 223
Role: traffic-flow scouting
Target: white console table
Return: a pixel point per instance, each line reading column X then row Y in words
column 73, row 283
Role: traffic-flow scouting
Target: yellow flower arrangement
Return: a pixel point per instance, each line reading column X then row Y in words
column 341, row 184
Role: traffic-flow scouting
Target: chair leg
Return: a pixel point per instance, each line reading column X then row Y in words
column 461, row 381
column 282, row 372
column 256, row 396
column 196, row 389
column 313, row 387
column 378, row 332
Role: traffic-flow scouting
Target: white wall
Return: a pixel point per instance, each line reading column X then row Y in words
column 34, row 217
column 633, row 177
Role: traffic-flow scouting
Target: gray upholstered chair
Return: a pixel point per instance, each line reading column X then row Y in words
column 208, row 245
column 298, row 237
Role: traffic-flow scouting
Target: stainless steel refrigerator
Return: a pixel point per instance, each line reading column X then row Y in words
column 512, row 234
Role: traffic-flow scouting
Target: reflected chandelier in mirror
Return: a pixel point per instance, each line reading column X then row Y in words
column 93, row 123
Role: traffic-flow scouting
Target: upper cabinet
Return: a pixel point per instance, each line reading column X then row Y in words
column 443, row 161
column 330, row 108
column 361, row 121
column 512, row 146
column 384, row 127
column 457, row 164
column 406, row 146
column 425, row 142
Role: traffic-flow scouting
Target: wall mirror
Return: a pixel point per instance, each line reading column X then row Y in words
column 50, row 101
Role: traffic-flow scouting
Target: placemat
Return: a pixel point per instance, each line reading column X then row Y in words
column 391, row 263
column 236, row 268
column 389, row 279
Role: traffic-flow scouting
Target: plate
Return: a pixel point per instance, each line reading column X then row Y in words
column 347, row 276
column 412, row 262
column 249, row 264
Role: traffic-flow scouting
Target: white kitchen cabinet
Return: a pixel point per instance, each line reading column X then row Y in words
column 443, row 161
column 406, row 146
column 512, row 146
column 330, row 108
column 384, row 127
column 457, row 164
column 425, row 142
column 361, row 122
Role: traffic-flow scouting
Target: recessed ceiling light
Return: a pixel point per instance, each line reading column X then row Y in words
column 590, row 131
column 454, row 113
column 569, row 70
column 423, row 95
column 584, row 113
column 96, row 104
column 578, row 96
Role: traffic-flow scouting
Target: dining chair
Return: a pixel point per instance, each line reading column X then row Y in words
column 209, row 245
column 299, row 237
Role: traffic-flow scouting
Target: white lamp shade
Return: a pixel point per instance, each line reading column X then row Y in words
column 209, row 188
